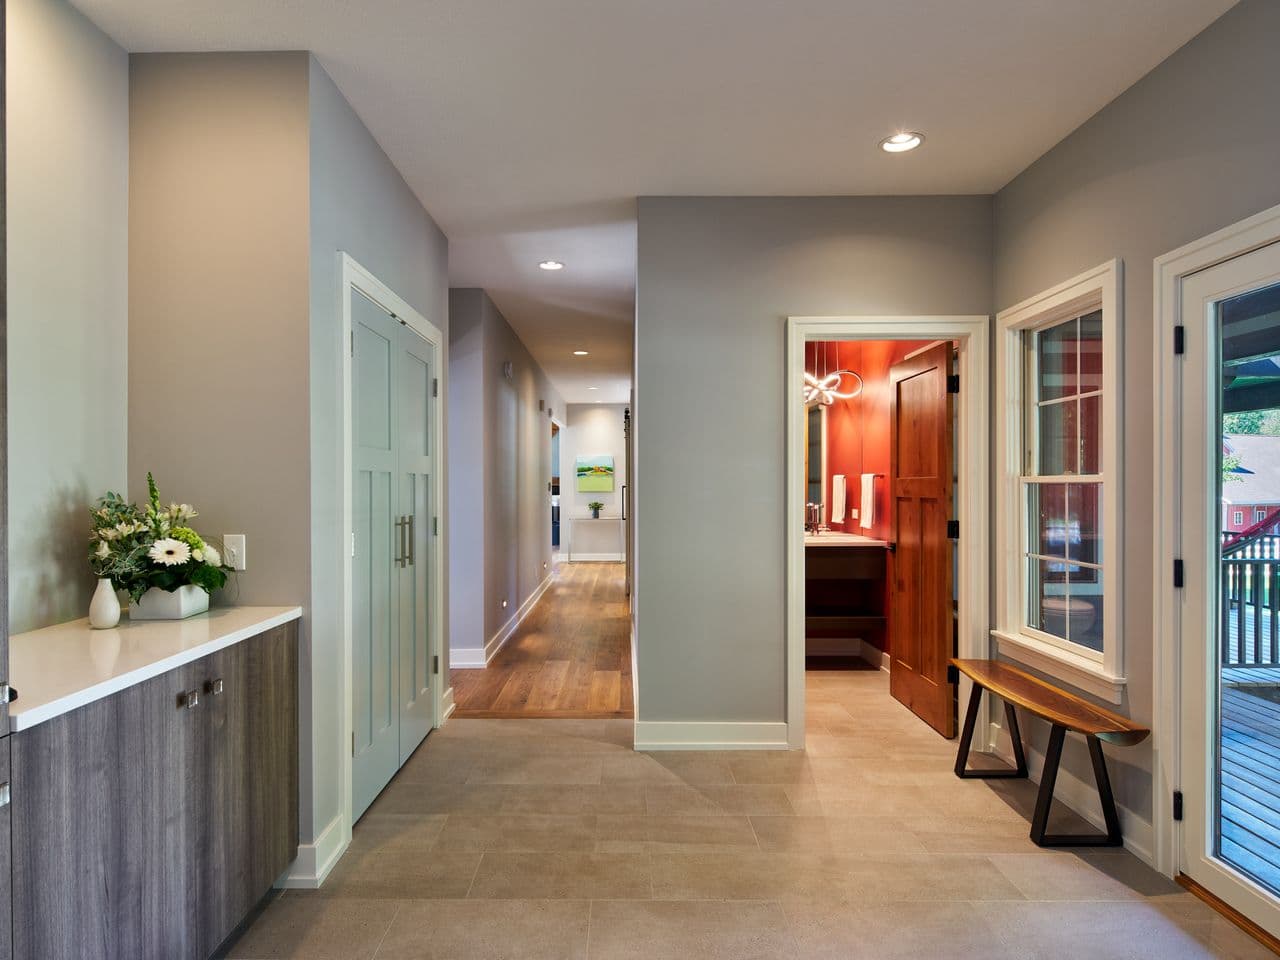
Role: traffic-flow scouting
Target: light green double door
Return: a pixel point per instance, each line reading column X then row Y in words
column 393, row 650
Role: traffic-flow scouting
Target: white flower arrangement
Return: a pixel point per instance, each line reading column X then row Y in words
column 140, row 549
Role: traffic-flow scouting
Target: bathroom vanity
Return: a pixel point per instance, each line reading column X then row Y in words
column 845, row 597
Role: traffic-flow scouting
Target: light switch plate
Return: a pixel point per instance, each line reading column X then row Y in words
column 233, row 546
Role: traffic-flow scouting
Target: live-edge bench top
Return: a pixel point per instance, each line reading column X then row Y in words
column 1049, row 702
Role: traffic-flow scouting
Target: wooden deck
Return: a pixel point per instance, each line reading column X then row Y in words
column 1251, row 778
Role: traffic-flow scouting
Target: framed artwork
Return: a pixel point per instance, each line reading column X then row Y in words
column 595, row 474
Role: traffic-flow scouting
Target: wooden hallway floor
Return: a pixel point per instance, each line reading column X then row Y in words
column 571, row 658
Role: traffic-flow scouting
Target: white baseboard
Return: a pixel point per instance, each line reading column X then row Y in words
column 877, row 658
column 315, row 860
column 473, row 658
column 694, row 735
column 596, row 558
column 447, row 706
column 469, row 658
column 1081, row 796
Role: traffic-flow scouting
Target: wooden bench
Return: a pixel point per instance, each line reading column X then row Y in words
column 1065, row 712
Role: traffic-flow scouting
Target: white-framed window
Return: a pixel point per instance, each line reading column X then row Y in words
column 1058, row 592
column 1259, row 514
column 1237, row 518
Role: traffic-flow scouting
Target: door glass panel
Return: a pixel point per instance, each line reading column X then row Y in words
column 1245, row 711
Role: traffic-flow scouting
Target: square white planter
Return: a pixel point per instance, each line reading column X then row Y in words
column 157, row 604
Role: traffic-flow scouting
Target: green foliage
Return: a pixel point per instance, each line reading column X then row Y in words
column 1257, row 422
column 1230, row 469
column 595, row 505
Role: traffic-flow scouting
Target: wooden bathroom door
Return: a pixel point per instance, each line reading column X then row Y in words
column 920, row 588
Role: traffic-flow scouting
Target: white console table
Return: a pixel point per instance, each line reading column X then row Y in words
column 596, row 539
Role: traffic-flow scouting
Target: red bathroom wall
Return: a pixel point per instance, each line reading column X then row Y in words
column 858, row 429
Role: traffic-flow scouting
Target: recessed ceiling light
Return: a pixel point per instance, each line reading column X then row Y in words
column 593, row 388
column 580, row 353
column 902, row 142
column 551, row 265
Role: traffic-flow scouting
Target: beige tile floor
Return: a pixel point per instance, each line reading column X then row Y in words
column 553, row 840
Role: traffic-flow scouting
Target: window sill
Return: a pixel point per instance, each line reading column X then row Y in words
column 1080, row 672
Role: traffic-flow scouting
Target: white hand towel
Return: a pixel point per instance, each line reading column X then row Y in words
column 837, row 498
column 867, row 511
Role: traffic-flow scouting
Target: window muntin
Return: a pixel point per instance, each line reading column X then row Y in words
column 1062, row 482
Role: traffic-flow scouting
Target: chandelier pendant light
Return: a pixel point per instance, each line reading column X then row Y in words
column 827, row 389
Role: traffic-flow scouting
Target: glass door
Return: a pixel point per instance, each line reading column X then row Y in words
column 1231, row 548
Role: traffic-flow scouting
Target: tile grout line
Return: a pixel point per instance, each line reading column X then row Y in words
column 386, row 932
column 475, row 873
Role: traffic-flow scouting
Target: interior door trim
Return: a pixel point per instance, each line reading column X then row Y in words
column 972, row 336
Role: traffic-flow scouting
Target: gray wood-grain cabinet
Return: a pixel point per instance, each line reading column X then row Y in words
column 148, row 824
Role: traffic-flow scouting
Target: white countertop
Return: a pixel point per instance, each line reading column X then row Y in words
column 836, row 538
column 60, row 668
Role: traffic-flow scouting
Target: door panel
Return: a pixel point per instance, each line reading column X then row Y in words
column 417, row 713
column 921, row 608
column 1230, row 639
column 375, row 660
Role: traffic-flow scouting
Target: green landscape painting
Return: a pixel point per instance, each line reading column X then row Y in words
column 595, row 474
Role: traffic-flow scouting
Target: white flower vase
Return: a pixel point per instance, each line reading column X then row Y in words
column 104, row 608
column 157, row 604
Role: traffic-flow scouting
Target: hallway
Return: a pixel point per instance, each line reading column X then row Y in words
column 553, row 840
column 570, row 659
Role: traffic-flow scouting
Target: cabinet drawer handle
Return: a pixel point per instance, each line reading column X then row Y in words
column 188, row 699
column 213, row 687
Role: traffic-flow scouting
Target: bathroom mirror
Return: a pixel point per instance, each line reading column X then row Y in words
column 815, row 457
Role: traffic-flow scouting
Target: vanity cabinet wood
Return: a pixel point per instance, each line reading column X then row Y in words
column 145, row 826
column 844, row 599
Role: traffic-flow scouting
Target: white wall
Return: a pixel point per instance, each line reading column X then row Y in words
column 505, row 461
column 591, row 429
column 67, row 126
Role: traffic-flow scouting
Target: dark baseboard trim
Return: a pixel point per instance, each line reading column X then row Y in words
column 1231, row 913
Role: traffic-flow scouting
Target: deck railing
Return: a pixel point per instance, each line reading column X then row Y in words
column 1250, row 571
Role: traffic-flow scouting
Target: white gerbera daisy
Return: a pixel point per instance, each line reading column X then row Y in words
column 169, row 552
column 212, row 556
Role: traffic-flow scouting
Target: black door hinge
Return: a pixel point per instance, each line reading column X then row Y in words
column 435, row 526
column 953, row 529
column 1179, row 340
column 1177, row 804
column 953, row 383
column 953, row 674
column 435, row 386
column 1177, row 574
column 435, row 663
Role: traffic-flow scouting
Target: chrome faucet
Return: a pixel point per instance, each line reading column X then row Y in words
column 812, row 517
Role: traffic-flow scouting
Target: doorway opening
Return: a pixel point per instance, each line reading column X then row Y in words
column 887, row 464
column 554, row 487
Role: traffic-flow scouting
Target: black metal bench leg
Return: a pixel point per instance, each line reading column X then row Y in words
column 966, row 742
column 1044, row 800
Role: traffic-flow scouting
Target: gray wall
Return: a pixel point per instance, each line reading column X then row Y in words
column 1192, row 147
column 360, row 205
column 467, row 504
column 717, row 278
column 511, row 466
column 68, row 168
column 218, row 371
